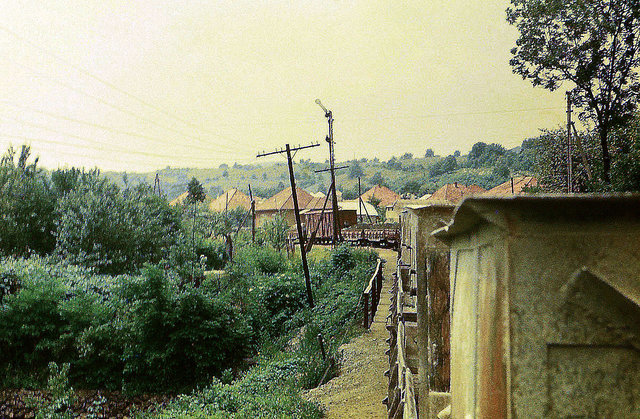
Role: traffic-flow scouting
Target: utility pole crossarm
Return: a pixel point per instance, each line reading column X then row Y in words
column 290, row 149
column 328, row 169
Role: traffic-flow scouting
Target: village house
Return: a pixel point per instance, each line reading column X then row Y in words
column 514, row 186
column 381, row 194
column 229, row 200
column 454, row 192
column 282, row 203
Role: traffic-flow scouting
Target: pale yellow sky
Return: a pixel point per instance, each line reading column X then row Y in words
column 140, row 85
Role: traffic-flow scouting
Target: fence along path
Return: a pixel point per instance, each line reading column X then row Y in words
column 359, row 389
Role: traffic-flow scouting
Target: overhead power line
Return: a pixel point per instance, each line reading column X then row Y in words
column 108, row 148
column 442, row 115
column 102, row 149
column 106, row 82
column 118, row 108
column 114, row 130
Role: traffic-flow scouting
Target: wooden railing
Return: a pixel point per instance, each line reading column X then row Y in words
column 401, row 395
column 371, row 296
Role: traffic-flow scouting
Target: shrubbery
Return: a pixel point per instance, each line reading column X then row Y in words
column 137, row 333
column 115, row 231
column 289, row 359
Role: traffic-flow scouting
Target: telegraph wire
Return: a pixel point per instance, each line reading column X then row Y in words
column 106, row 128
column 116, row 107
column 79, row 137
column 109, row 147
column 106, row 82
column 126, row 152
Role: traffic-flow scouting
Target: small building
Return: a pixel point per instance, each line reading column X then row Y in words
column 545, row 296
column 380, row 193
column 282, row 203
column 514, row 186
column 393, row 211
column 423, row 286
column 321, row 223
column 229, row 200
column 454, row 192
column 364, row 211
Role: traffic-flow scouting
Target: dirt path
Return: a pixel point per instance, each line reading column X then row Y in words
column 359, row 389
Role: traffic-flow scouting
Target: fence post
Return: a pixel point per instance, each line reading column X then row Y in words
column 365, row 297
column 379, row 279
column 374, row 300
column 321, row 342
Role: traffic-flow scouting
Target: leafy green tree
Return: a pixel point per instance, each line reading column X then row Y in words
column 442, row 166
column 377, row 179
column 195, row 195
column 27, row 206
column 551, row 161
column 115, row 231
column 355, row 170
column 394, row 163
column 429, row 153
column 195, row 191
column 625, row 167
column 226, row 224
column 412, row 186
column 591, row 44
column 275, row 232
column 485, row 155
column 500, row 172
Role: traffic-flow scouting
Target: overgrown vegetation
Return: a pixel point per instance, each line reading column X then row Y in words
column 152, row 331
column 289, row 356
column 141, row 333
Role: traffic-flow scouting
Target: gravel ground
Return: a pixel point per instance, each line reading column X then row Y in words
column 358, row 391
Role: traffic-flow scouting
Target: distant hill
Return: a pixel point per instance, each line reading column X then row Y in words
column 486, row 165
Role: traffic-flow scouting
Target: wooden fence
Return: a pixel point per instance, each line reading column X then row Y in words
column 371, row 296
column 401, row 395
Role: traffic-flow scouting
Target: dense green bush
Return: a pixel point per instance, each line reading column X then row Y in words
column 177, row 338
column 214, row 252
column 137, row 333
column 274, row 301
column 26, row 206
column 289, row 357
column 252, row 260
column 150, row 333
column 267, row 391
column 115, row 231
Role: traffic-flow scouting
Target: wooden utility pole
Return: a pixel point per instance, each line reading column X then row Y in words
column 296, row 208
column 334, row 197
column 156, row 186
column 582, row 153
column 569, row 158
column 312, row 236
column 359, row 201
column 253, row 216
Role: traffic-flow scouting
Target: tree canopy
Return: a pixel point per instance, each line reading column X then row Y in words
column 195, row 191
column 592, row 44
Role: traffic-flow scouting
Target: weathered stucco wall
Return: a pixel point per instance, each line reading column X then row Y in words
column 591, row 369
column 545, row 308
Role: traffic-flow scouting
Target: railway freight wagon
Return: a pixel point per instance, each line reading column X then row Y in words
column 319, row 224
column 545, row 301
column 376, row 235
